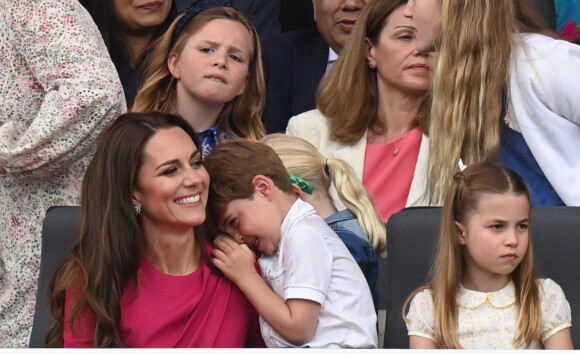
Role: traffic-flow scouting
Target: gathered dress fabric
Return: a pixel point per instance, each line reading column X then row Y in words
column 489, row 320
column 198, row 310
column 58, row 90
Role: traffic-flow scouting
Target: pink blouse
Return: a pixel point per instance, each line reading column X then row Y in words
column 387, row 175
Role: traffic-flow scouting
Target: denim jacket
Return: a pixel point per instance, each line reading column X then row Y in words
column 347, row 227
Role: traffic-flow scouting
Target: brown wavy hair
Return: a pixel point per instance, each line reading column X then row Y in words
column 108, row 252
column 461, row 203
column 242, row 115
column 233, row 164
column 348, row 95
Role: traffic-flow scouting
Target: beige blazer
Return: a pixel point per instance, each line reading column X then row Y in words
column 312, row 126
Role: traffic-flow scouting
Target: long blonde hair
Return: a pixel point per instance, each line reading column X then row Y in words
column 348, row 95
column 475, row 46
column 303, row 160
column 461, row 202
column 242, row 115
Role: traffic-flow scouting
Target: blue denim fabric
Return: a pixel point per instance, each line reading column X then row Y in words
column 515, row 153
column 347, row 227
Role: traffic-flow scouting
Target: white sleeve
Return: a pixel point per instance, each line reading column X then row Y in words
column 420, row 320
column 544, row 93
column 556, row 314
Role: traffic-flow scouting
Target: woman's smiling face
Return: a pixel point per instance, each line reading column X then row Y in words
column 172, row 184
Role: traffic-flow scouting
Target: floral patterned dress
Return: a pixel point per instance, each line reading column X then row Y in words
column 489, row 320
column 58, row 90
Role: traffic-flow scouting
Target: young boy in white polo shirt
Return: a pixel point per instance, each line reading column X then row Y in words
column 314, row 294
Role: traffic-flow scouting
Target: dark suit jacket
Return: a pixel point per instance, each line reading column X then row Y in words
column 262, row 13
column 294, row 63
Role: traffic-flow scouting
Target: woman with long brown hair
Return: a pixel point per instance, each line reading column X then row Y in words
column 370, row 109
column 139, row 275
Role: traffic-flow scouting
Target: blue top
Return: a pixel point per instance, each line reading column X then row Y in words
column 345, row 224
column 210, row 138
column 515, row 153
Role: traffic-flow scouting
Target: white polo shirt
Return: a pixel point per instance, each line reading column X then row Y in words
column 313, row 263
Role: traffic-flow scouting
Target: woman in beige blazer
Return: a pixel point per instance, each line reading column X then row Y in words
column 371, row 109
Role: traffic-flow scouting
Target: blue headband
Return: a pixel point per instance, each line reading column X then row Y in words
column 193, row 11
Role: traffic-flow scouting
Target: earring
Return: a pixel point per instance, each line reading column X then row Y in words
column 137, row 208
column 371, row 65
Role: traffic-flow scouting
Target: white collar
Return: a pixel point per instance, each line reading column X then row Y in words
column 471, row 299
column 332, row 56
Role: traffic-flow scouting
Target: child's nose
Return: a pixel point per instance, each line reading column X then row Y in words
column 511, row 238
column 238, row 238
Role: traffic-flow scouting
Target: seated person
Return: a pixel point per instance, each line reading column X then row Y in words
column 371, row 109
column 311, row 292
column 483, row 292
column 294, row 62
column 312, row 176
column 207, row 69
column 128, row 32
column 139, row 275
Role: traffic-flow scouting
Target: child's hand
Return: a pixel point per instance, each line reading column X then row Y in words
column 234, row 260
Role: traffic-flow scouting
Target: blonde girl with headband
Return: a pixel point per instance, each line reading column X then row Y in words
column 483, row 292
column 207, row 69
column 313, row 174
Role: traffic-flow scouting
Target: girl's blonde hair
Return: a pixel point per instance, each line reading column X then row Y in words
column 461, row 202
column 303, row 160
column 348, row 95
column 242, row 115
column 475, row 46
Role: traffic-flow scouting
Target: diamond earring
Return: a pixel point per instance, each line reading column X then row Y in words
column 137, row 208
column 371, row 65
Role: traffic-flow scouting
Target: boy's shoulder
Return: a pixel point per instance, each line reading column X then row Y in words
column 302, row 216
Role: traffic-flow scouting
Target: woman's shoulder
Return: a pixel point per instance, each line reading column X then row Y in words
column 312, row 126
column 535, row 46
column 307, row 120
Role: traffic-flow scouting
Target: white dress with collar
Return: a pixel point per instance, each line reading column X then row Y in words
column 488, row 320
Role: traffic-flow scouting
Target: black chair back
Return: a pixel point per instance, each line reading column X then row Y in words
column 412, row 237
column 60, row 231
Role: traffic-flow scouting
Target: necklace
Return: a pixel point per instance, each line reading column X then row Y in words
column 400, row 142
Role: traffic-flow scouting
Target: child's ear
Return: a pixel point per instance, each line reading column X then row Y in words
column 460, row 233
column 263, row 186
column 173, row 65
column 299, row 193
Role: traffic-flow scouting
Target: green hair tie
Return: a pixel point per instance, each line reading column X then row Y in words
column 304, row 186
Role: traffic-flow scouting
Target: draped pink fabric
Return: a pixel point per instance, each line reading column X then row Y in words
column 200, row 309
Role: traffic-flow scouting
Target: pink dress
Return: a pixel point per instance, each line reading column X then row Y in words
column 387, row 176
column 201, row 309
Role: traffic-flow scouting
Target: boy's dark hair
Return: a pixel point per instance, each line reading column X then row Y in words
column 233, row 164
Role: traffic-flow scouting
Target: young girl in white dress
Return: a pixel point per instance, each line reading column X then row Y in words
column 483, row 292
